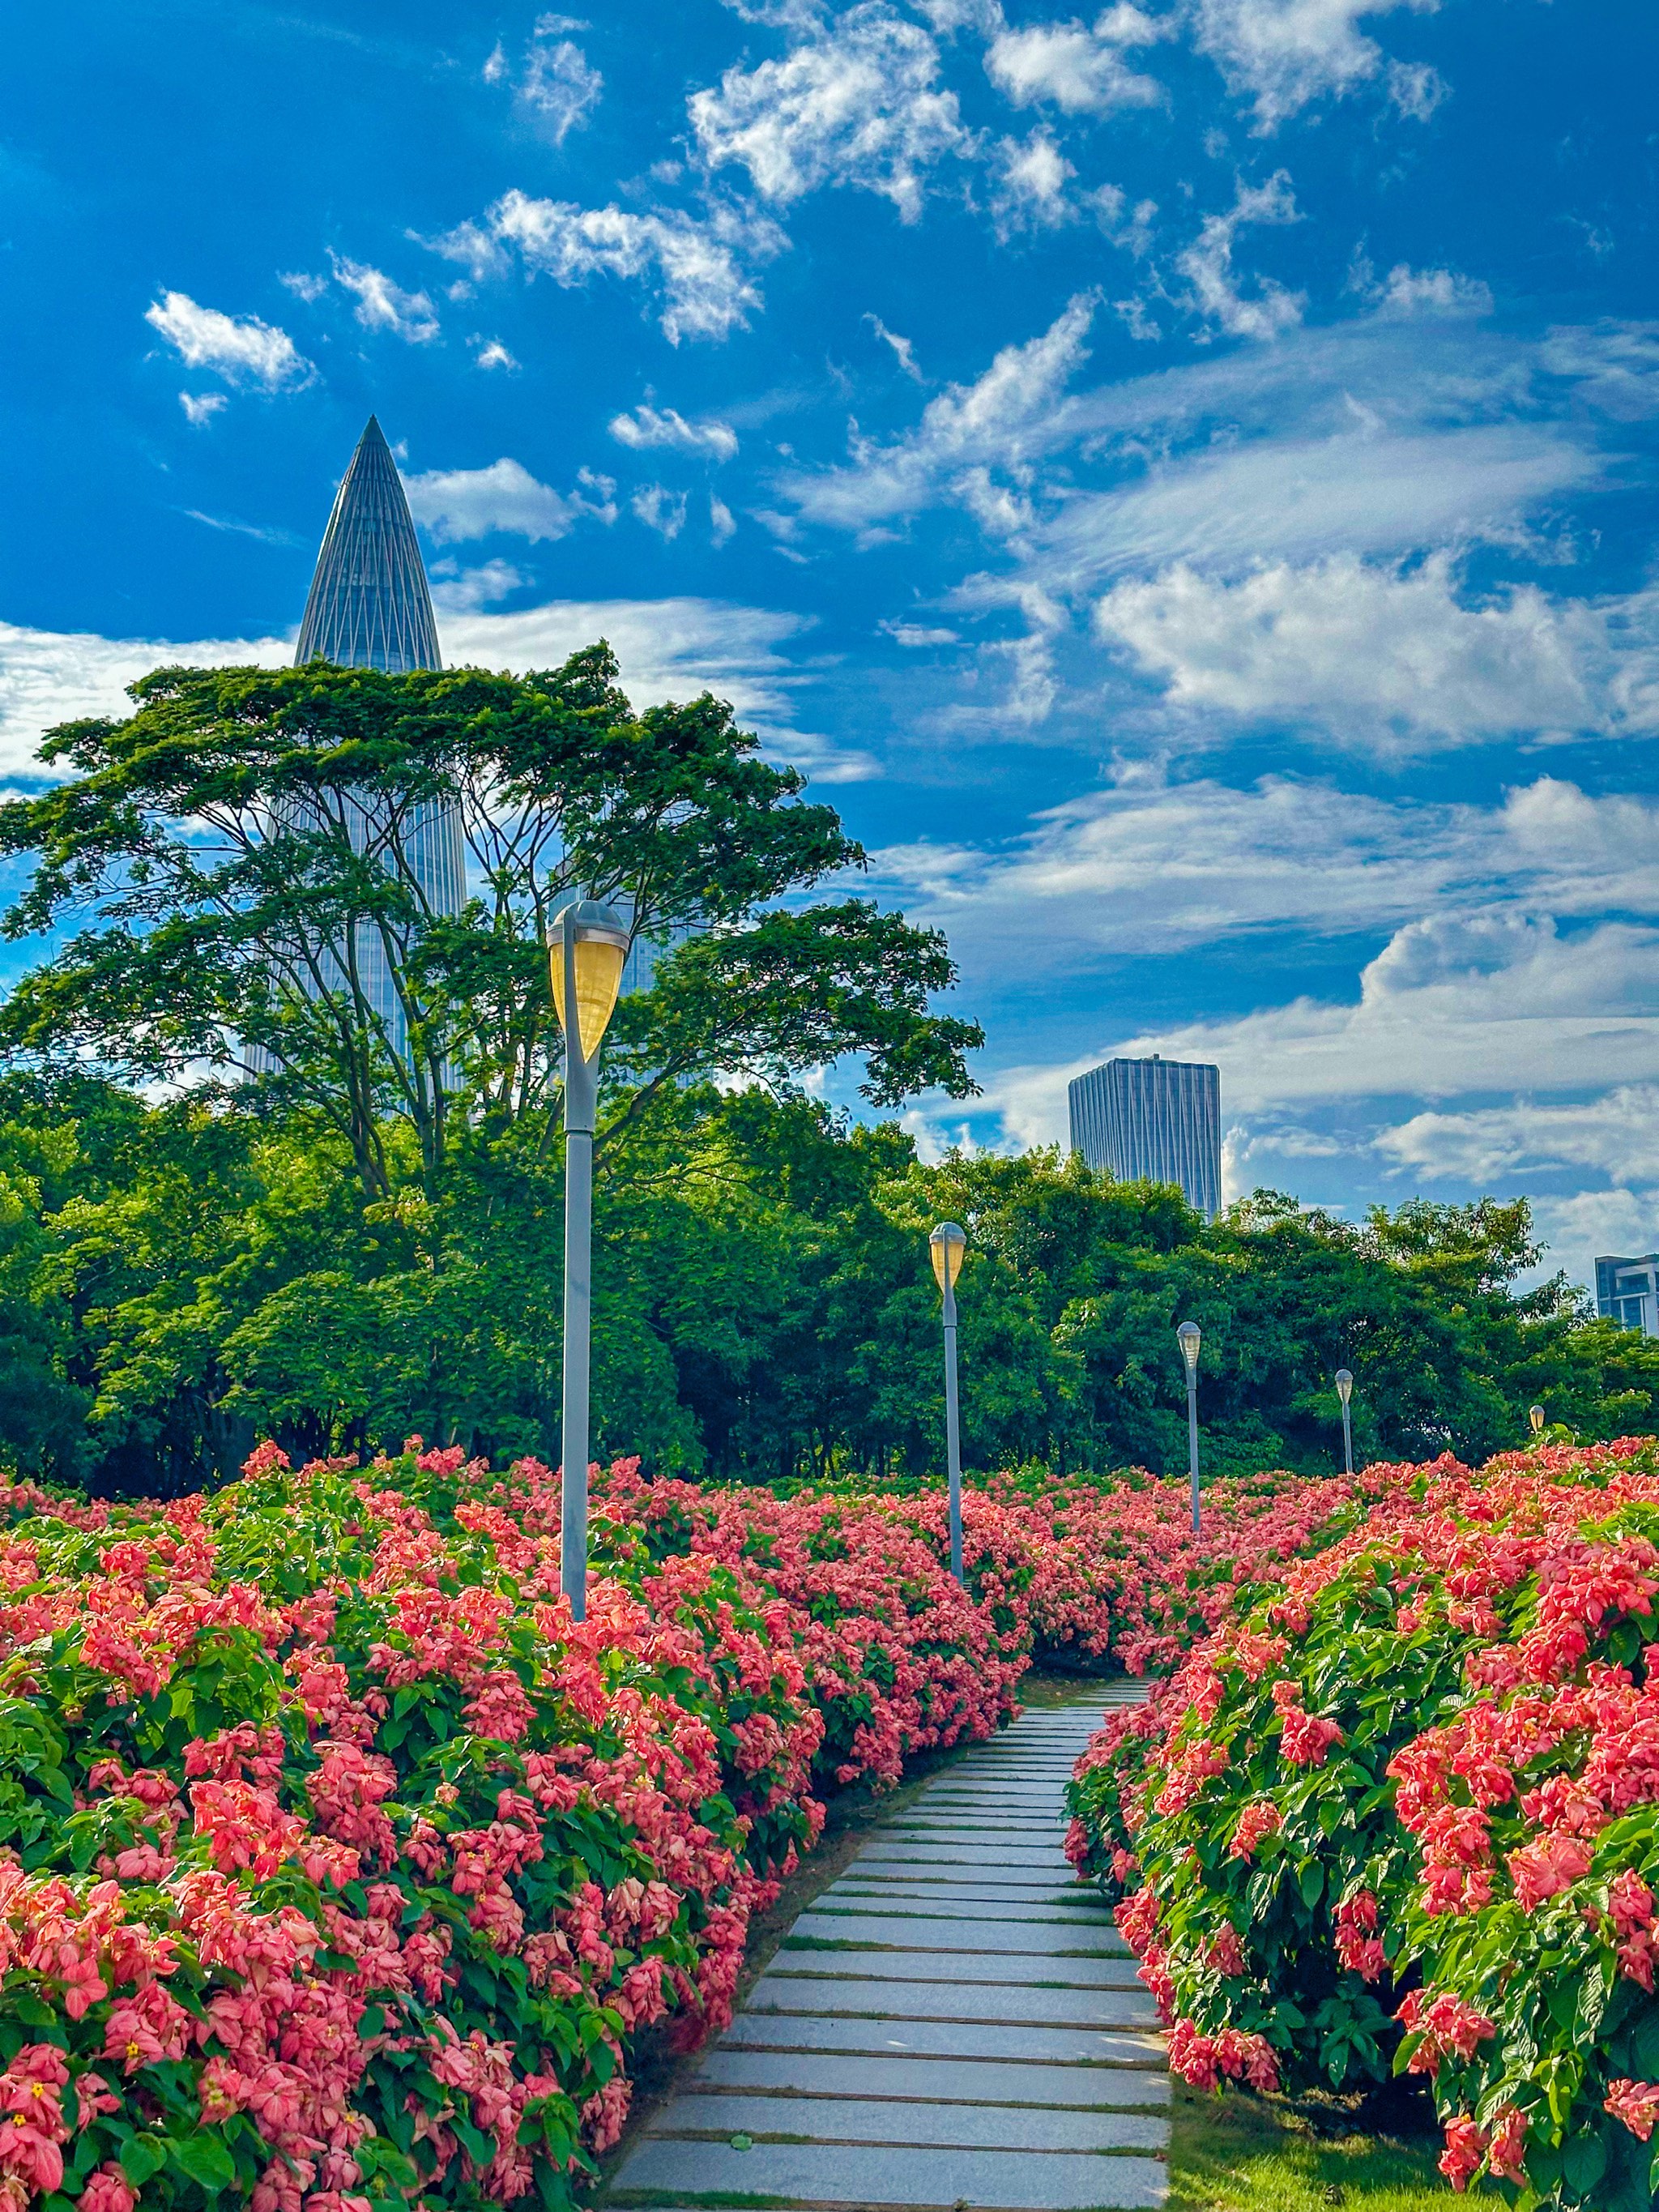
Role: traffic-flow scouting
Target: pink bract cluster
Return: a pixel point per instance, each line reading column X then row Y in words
column 340, row 1870
column 1403, row 1810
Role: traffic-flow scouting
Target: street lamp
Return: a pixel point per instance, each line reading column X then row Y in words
column 945, row 1246
column 586, row 946
column 1187, row 1337
column 1535, row 1415
column 1345, row 1391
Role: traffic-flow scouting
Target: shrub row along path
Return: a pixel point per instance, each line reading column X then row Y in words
column 953, row 2022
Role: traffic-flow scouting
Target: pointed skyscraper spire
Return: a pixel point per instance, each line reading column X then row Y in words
column 369, row 605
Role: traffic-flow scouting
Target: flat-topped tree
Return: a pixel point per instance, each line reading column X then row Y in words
column 222, row 857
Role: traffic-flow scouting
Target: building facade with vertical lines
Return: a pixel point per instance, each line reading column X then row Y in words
column 1153, row 1120
column 369, row 607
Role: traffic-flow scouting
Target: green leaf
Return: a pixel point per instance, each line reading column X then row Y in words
column 204, row 2158
column 1584, row 2162
column 1312, row 1882
column 141, row 2157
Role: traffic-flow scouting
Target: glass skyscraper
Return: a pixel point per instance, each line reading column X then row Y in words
column 1153, row 1120
column 1627, row 1291
column 369, row 607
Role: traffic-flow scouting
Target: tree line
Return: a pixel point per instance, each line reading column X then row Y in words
column 236, row 1198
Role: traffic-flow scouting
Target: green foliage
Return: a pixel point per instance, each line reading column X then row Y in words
column 174, row 1279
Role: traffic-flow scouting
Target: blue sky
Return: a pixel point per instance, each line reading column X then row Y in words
column 1180, row 480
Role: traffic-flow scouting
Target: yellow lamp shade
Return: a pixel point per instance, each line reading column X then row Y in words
column 946, row 1246
column 600, row 949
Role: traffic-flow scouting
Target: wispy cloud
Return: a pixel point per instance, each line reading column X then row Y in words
column 384, row 306
column 648, row 426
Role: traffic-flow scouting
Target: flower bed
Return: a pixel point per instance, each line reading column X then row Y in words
column 338, row 1868
column 1402, row 1810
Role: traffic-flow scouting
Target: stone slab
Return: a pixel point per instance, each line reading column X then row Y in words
column 833, row 2074
column 941, row 1828
column 932, row 1999
column 945, row 1880
column 949, row 1901
column 1066, row 1971
column 1031, row 1859
column 922, row 1932
column 883, row 2120
column 996, row 2180
column 1058, row 2046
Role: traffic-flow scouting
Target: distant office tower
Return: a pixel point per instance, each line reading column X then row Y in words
column 1153, row 1120
column 369, row 607
column 1628, row 1290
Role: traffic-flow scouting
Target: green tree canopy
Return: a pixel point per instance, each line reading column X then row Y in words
column 228, row 857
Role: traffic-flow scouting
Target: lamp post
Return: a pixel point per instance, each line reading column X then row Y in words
column 586, row 946
column 1187, row 1337
column 946, row 1247
column 1345, row 1391
column 1535, row 1415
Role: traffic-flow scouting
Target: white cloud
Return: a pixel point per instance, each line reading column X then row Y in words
column 700, row 266
column 384, row 306
column 1416, row 89
column 670, row 648
column 304, row 286
column 457, row 504
column 1146, row 867
column 648, row 426
column 463, row 591
column 242, row 350
column 967, row 430
column 1454, row 1005
column 48, row 677
column 1368, row 488
column 201, row 407
column 1288, row 53
column 1079, row 71
column 559, row 85
column 722, row 523
column 492, row 354
column 1579, row 1229
column 856, row 103
column 660, row 510
column 917, row 636
column 1408, row 291
column 1207, row 265
column 1389, row 657
column 903, row 351
column 1613, row 365
column 1029, row 180
column 1617, row 1133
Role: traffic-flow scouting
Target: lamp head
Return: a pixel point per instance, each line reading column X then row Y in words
column 599, row 939
column 1344, row 1385
column 945, row 1246
column 1186, row 1336
column 1535, row 1415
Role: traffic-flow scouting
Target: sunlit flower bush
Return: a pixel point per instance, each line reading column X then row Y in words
column 340, row 1870
column 1402, row 1810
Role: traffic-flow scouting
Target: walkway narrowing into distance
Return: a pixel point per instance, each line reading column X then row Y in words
column 953, row 2023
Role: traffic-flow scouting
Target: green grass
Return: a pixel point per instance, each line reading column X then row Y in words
column 1241, row 2153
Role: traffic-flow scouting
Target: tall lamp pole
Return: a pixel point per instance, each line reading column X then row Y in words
column 1187, row 1337
column 946, row 1246
column 1345, row 1391
column 587, row 946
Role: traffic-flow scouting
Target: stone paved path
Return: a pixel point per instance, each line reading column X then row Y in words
column 953, row 2023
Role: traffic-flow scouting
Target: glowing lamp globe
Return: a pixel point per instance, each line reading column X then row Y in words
column 946, row 1246
column 600, row 947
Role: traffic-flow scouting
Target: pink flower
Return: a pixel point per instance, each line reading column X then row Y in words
column 1635, row 2103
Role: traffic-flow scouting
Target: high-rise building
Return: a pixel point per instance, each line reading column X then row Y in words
column 369, row 607
column 1153, row 1120
column 1627, row 1291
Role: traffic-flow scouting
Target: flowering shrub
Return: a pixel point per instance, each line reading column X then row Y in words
column 338, row 1868
column 1404, row 1810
